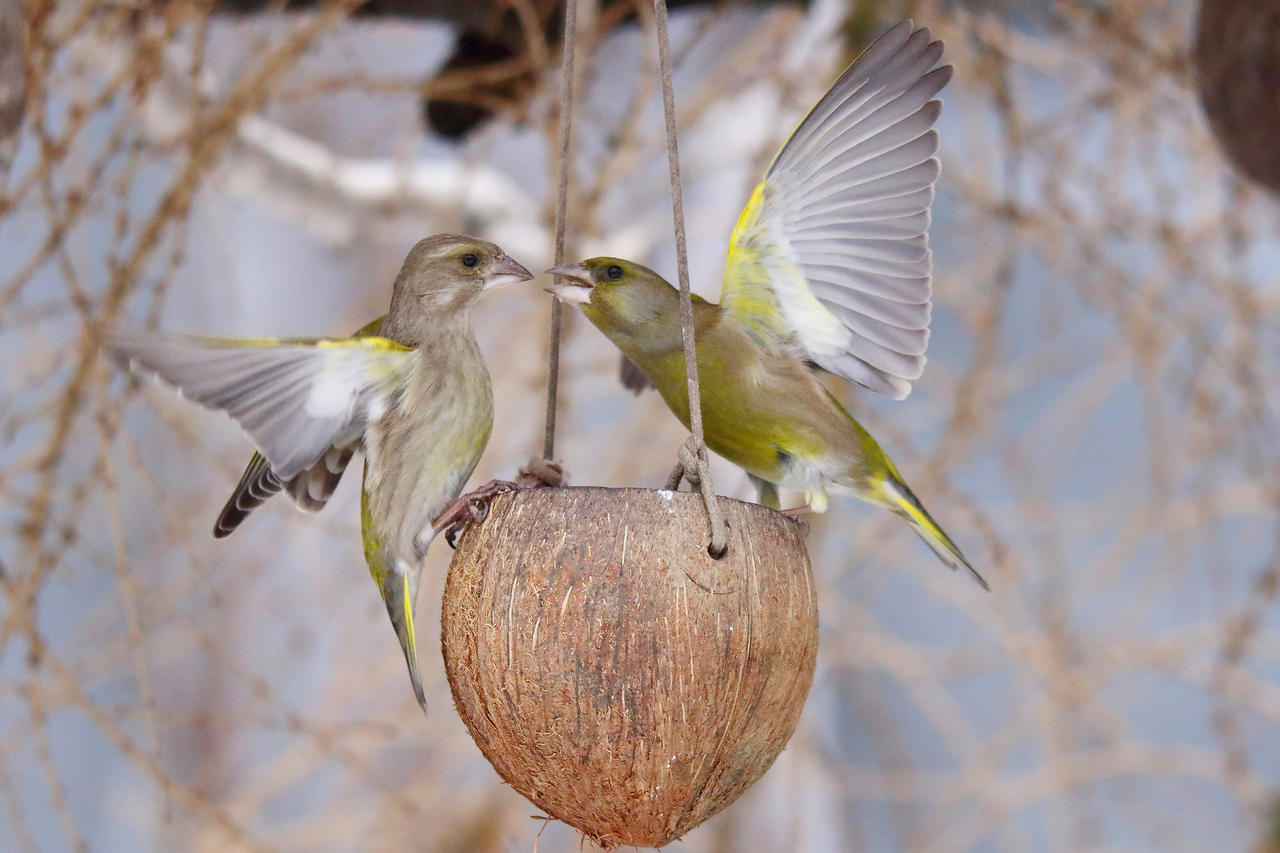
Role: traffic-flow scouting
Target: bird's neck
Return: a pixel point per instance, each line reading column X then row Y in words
column 413, row 326
column 645, row 328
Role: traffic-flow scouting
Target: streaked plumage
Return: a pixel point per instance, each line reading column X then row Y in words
column 828, row 267
column 411, row 390
column 310, row 489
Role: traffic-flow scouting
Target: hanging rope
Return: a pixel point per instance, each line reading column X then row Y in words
column 562, row 212
column 694, row 464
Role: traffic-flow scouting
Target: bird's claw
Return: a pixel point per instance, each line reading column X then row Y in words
column 800, row 515
column 471, row 508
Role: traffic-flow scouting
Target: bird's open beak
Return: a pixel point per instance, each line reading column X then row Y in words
column 573, row 283
column 506, row 272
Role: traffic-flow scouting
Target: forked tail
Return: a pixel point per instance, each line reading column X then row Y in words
column 895, row 494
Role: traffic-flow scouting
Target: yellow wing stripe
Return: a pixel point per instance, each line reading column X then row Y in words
column 372, row 342
column 749, row 294
column 767, row 294
column 749, row 217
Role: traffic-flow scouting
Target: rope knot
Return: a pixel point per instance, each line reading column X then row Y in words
column 693, row 460
column 694, row 467
column 541, row 472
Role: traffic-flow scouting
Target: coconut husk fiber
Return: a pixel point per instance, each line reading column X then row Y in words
column 612, row 671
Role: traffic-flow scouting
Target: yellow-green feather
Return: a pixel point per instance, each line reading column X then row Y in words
column 373, row 342
column 885, row 486
column 358, row 341
column 761, row 275
column 748, row 293
column 395, row 588
column 751, row 430
column 373, row 544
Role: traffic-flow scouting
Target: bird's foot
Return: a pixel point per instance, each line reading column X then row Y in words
column 471, row 508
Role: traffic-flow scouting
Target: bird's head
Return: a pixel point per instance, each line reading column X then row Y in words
column 448, row 272
column 442, row 277
column 617, row 296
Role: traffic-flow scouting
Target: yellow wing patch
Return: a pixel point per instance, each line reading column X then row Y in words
column 766, row 293
column 748, row 293
column 360, row 341
column 373, row 342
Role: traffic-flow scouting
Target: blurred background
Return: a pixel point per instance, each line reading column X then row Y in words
column 1096, row 428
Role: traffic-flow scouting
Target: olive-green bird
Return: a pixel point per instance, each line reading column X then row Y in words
column 828, row 269
column 410, row 389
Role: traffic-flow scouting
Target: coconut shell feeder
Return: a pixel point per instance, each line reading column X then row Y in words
column 611, row 670
column 630, row 660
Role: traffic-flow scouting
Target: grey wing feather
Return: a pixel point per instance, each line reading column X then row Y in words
column 255, row 486
column 845, row 216
column 294, row 399
column 310, row 490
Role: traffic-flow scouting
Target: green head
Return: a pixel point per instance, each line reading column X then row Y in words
column 441, row 278
column 632, row 304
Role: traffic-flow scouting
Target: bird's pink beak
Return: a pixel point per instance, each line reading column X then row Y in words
column 506, row 272
column 573, row 284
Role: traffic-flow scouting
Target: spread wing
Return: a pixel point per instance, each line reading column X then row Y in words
column 295, row 398
column 310, row 489
column 830, row 259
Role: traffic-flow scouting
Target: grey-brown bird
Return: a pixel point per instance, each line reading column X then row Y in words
column 410, row 390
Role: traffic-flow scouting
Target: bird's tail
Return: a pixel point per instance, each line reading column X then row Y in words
column 876, row 479
column 399, row 590
column 891, row 492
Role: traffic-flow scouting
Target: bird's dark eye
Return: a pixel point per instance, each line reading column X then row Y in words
column 469, row 260
column 614, row 272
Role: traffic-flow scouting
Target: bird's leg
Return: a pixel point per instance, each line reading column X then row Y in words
column 473, row 507
column 767, row 495
column 766, row 492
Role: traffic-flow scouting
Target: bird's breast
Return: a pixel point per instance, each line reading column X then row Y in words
column 763, row 412
column 424, row 448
